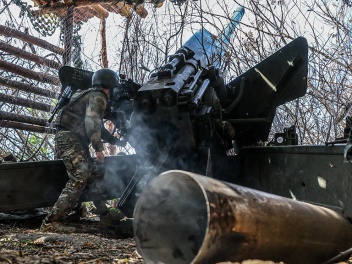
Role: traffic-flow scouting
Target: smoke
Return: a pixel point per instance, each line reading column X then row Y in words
column 118, row 170
column 164, row 137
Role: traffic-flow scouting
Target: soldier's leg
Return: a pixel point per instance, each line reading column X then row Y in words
column 75, row 159
column 96, row 187
column 98, row 191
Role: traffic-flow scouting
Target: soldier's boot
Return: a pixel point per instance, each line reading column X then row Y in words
column 76, row 214
column 56, row 227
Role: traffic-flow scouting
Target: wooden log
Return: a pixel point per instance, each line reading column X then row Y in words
column 81, row 3
column 102, row 13
column 24, row 102
column 93, row 11
column 108, row 7
column 81, row 15
column 122, row 9
column 10, row 32
column 28, row 88
column 29, row 56
column 22, row 119
column 68, row 35
column 26, row 127
column 103, row 51
column 38, row 76
column 116, row 9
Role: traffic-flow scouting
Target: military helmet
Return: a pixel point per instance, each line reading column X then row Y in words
column 105, row 78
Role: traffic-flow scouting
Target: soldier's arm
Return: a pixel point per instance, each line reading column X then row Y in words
column 93, row 120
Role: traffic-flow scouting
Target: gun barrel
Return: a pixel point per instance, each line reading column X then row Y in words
column 183, row 217
column 230, row 29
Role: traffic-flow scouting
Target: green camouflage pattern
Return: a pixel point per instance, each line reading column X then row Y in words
column 81, row 119
column 84, row 114
column 83, row 173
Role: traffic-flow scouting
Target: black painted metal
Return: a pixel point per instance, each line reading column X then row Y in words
column 27, row 185
column 255, row 94
column 313, row 174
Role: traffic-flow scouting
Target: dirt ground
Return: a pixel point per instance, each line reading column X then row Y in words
column 22, row 242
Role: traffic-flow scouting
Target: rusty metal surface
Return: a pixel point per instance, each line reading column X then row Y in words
column 187, row 218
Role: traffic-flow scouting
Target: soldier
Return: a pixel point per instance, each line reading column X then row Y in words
column 79, row 123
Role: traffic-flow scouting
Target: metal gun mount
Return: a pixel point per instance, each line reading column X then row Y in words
column 186, row 110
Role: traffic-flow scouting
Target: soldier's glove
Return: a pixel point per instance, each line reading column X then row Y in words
column 347, row 153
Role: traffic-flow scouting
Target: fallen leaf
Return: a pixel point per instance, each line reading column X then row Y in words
column 39, row 241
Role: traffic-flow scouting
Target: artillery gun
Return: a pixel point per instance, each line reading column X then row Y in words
column 187, row 118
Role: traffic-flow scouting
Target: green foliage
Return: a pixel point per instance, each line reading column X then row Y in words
column 34, row 140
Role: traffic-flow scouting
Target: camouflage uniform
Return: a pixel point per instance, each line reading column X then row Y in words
column 79, row 124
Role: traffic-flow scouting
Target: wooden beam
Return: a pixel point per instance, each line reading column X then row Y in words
column 28, row 56
column 38, row 76
column 28, row 88
column 26, row 127
column 24, row 102
column 100, row 11
column 68, row 35
column 80, row 3
column 82, row 15
column 10, row 32
column 22, row 119
column 103, row 51
column 123, row 9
